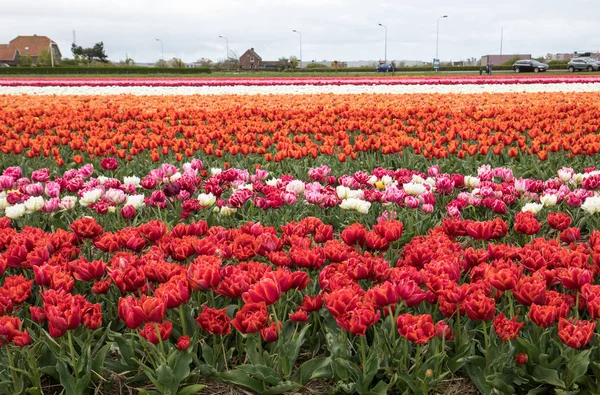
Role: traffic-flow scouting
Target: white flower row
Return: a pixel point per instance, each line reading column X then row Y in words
column 305, row 89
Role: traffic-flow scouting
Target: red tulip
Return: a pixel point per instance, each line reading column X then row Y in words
column 542, row 316
column 521, row 358
column 183, row 343
column 266, row 290
column 443, row 331
column 358, row 320
column 507, row 329
column 312, row 303
column 479, row 307
column 575, row 333
column 270, row 333
column 530, row 290
column 559, row 221
column 299, row 316
column 153, row 330
column 214, row 321
column 205, row 272
column 86, row 227
column 251, row 318
column 131, row 313
column 417, row 329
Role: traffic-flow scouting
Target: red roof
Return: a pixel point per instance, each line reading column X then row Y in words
column 30, row 45
column 7, row 54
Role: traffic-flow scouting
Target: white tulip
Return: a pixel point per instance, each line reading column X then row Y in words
column 16, row 211
column 90, row 197
column 215, row 170
column 532, row 208
column 372, row 180
column 133, row 180
column 565, row 174
column 348, row 204
column 363, row 206
column 206, row 199
column 136, row 201
column 342, row 191
column 272, row 182
column 34, row 203
column 471, row 181
column 549, row 200
column 414, row 189
column 295, row 186
column 592, row 204
column 386, row 180
column 227, row 211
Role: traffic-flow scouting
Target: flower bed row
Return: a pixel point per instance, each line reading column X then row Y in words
column 178, row 193
column 248, row 304
column 319, row 81
column 276, row 128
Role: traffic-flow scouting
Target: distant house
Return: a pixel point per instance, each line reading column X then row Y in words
column 497, row 60
column 250, row 60
column 8, row 55
column 24, row 47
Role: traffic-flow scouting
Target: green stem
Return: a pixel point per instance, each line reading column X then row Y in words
column 486, row 343
column 12, row 369
column 73, row 359
column 417, row 360
column 577, row 305
column 160, row 342
column 458, row 329
column 392, row 316
column 260, row 348
column 182, row 318
column 510, row 304
column 224, row 354
column 405, row 356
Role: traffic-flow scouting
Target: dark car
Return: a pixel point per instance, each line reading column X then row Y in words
column 529, row 65
column 588, row 64
column 385, row 68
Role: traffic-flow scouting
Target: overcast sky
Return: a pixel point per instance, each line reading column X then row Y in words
column 331, row 29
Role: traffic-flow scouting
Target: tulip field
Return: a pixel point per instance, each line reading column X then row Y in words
column 326, row 235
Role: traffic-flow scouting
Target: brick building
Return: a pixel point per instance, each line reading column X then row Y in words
column 250, row 60
column 22, row 47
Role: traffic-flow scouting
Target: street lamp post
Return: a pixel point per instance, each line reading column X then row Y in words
column 162, row 51
column 300, row 34
column 437, row 40
column 385, row 50
column 226, row 46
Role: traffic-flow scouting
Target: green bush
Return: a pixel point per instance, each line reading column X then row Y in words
column 99, row 70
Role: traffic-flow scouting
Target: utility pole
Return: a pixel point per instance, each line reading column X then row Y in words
column 501, row 39
column 385, row 44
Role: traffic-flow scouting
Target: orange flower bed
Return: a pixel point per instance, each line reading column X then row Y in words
column 280, row 127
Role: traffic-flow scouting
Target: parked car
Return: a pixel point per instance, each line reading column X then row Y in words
column 580, row 64
column 4, row 65
column 385, row 68
column 529, row 65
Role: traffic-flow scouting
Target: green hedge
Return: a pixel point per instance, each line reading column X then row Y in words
column 101, row 70
column 398, row 69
